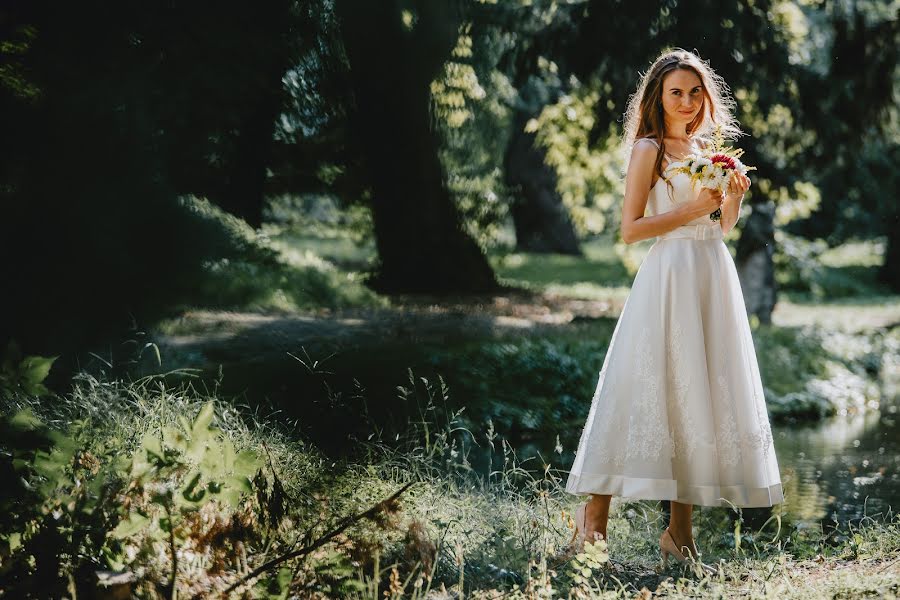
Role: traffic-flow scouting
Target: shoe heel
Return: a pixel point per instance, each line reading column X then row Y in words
column 576, row 542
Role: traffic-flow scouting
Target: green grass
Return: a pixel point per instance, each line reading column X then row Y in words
column 497, row 532
column 605, row 271
column 337, row 249
column 294, row 283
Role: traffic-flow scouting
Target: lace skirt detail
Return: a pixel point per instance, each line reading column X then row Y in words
column 678, row 412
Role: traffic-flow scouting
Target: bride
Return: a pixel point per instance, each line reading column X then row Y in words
column 678, row 413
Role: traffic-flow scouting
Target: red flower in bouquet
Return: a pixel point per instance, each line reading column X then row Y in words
column 724, row 160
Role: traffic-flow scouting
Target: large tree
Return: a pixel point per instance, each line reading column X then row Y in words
column 395, row 50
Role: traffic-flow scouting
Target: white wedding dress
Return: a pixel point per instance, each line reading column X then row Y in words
column 678, row 412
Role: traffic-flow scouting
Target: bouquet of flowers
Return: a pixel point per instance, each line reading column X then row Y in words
column 713, row 167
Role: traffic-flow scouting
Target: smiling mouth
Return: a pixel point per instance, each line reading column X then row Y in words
column 690, row 112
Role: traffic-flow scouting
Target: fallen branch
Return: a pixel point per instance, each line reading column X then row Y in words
column 344, row 524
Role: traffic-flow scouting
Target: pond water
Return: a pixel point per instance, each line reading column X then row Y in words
column 842, row 469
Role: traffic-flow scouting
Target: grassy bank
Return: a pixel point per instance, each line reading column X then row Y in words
column 529, row 379
column 147, row 481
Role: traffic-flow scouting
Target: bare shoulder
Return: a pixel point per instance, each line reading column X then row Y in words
column 643, row 154
column 644, row 147
column 640, row 167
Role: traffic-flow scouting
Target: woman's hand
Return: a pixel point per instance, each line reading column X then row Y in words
column 708, row 200
column 738, row 184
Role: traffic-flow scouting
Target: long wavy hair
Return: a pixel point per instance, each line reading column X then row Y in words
column 644, row 114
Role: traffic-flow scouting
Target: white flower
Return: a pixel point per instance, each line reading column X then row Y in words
column 720, row 179
column 699, row 163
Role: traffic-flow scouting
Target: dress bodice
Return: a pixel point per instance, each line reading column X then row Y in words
column 664, row 198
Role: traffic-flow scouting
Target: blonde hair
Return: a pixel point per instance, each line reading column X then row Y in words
column 644, row 112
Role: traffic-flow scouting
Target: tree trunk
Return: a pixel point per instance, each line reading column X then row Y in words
column 421, row 244
column 756, row 269
column 540, row 218
column 243, row 192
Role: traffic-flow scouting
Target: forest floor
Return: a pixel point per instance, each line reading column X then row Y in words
column 495, row 532
column 209, row 335
column 503, row 535
column 545, row 297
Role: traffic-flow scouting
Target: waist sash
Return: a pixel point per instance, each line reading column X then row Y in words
column 694, row 232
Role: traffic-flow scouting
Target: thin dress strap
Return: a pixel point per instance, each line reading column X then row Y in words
column 655, row 143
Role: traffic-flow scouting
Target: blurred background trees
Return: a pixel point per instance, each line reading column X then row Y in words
column 148, row 146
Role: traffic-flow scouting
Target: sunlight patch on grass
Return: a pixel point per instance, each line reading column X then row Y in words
column 851, row 315
column 860, row 253
column 590, row 291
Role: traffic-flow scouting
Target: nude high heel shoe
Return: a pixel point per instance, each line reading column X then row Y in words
column 667, row 546
column 577, row 541
column 578, row 537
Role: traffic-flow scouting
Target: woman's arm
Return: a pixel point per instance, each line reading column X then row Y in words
column 635, row 226
column 731, row 210
column 731, row 205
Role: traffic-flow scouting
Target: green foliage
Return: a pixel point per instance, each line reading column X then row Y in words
column 502, row 534
column 198, row 458
column 24, row 374
column 811, row 372
column 223, row 234
column 585, row 563
column 458, row 83
column 589, row 178
column 72, row 510
column 244, row 285
column 318, row 217
column 176, row 502
column 809, row 268
column 276, row 587
column 185, row 485
column 253, row 271
column 552, row 379
column 57, row 505
column 471, row 101
column 13, row 74
column 782, row 141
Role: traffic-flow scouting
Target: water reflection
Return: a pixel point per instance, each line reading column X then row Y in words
column 842, row 469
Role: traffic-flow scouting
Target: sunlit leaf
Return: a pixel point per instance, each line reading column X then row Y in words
column 130, row 526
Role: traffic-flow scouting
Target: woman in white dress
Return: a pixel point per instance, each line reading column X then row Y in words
column 678, row 413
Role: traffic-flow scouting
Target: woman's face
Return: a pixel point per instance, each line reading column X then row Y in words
column 682, row 96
